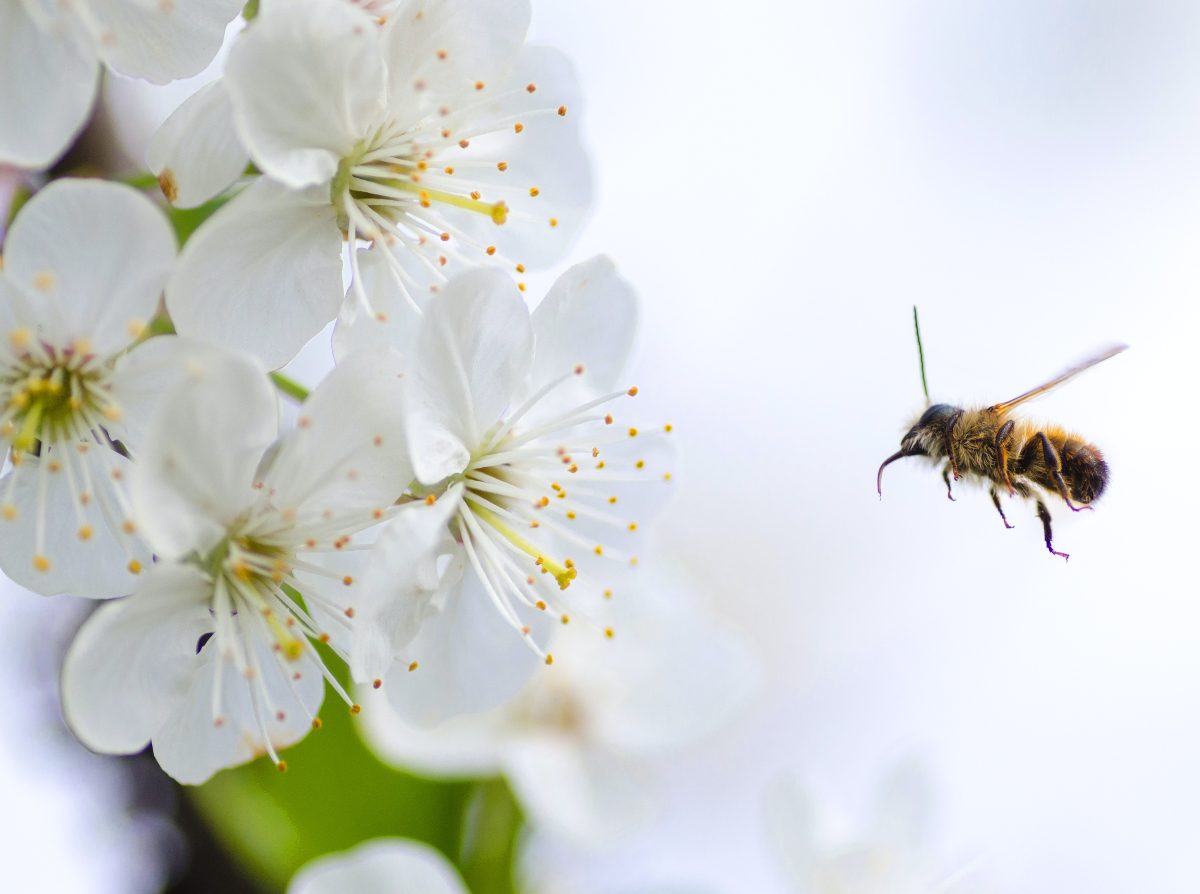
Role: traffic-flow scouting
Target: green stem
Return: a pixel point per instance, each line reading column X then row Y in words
column 491, row 825
column 144, row 181
column 290, row 387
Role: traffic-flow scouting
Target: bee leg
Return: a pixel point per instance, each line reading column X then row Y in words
column 953, row 421
column 996, row 502
column 946, row 478
column 1002, row 450
column 1054, row 467
column 1044, row 514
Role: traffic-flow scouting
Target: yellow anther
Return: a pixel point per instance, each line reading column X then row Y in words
column 134, row 566
column 554, row 222
column 502, row 166
column 518, row 127
column 43, row 281
column 633, row 432
column 534, row 192
column 412, row 667
column 317, row 724
column 612, row 500
column 9, row 511
column 41, row 563
column 562, row 111
column 282, row 765
column 566, row 619
column 549, row 659
column 242, row 570
column 86, row 532
column 598, row 550
column 19, row 338
column 609, row 632
column 82, row 346
column 356, row 709
column 668, row 428
column 608, row 594
column 633, row 526
column 135, row 328
column 112, row 413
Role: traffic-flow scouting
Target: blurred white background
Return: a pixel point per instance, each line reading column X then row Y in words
column 782, row 182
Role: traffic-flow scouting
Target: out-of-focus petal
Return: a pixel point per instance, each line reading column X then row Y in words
column 47, row 87
column 588, row 795
column 164, row 40
column 196, row 154
column 393, row 317
column 262, row 275
column 100, row 251
column 382, row 866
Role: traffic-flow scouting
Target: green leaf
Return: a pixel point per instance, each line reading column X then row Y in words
column 335, row 795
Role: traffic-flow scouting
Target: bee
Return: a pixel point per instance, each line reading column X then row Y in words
column 1011, row 454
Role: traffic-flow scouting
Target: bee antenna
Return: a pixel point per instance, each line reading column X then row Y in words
column 920, row 354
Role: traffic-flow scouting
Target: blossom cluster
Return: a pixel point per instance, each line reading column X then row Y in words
column 458, row 505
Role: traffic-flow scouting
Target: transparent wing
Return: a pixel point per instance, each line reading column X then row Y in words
column 1065, row 376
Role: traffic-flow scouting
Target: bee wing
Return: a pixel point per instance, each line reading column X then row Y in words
column 1065, row 376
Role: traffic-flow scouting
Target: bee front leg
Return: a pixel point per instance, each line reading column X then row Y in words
column 946, row 478
column 1044, row 514
column 996, row 502
column 1054, row 466
column 953, row 421
column 1002, row 456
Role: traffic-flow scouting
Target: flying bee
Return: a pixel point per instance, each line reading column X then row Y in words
column 1022, row 458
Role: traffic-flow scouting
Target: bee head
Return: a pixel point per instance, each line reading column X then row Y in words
column 922, row 439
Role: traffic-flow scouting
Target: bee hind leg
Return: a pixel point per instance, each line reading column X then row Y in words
column 946, row 478
column 996, row 503
column 1054, row 467
column 1044, row 514
column 950, row 423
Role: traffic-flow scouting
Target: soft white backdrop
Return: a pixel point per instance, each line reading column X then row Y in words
column 782, row 181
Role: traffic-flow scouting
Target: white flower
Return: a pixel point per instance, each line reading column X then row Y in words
column 578, row 743
column 84, row 266
column 381, row 866
column 525, row 485
column 436, row 136
column 51, row 50
column 888, row 854
column 258, row 547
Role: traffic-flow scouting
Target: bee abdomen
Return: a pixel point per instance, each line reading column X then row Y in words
column 1084, row 470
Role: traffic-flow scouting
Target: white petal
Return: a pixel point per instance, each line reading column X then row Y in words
column 589, row 796
column 463, row 747
column 164, row 40
column 438, row 50
column 680, row 677
column 382, row 866
column 548, row 154
column 133, row 660
column 96, row 567
column 469, row 659
column 196, row 153
column 589, row 317
column 99, row 251
column 147, row 372
column 19, row 310
column 191, row 748
column 472, row 359
column 399, row 585
column 196, row 470
column 263, row 274
column 903, row 803
column 347, row 451
column 47, row 86
column 791, row 828
column 392, row 320
column 307, row 83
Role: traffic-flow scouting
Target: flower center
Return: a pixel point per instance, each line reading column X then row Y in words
column 52, row 395
column 519, row 521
